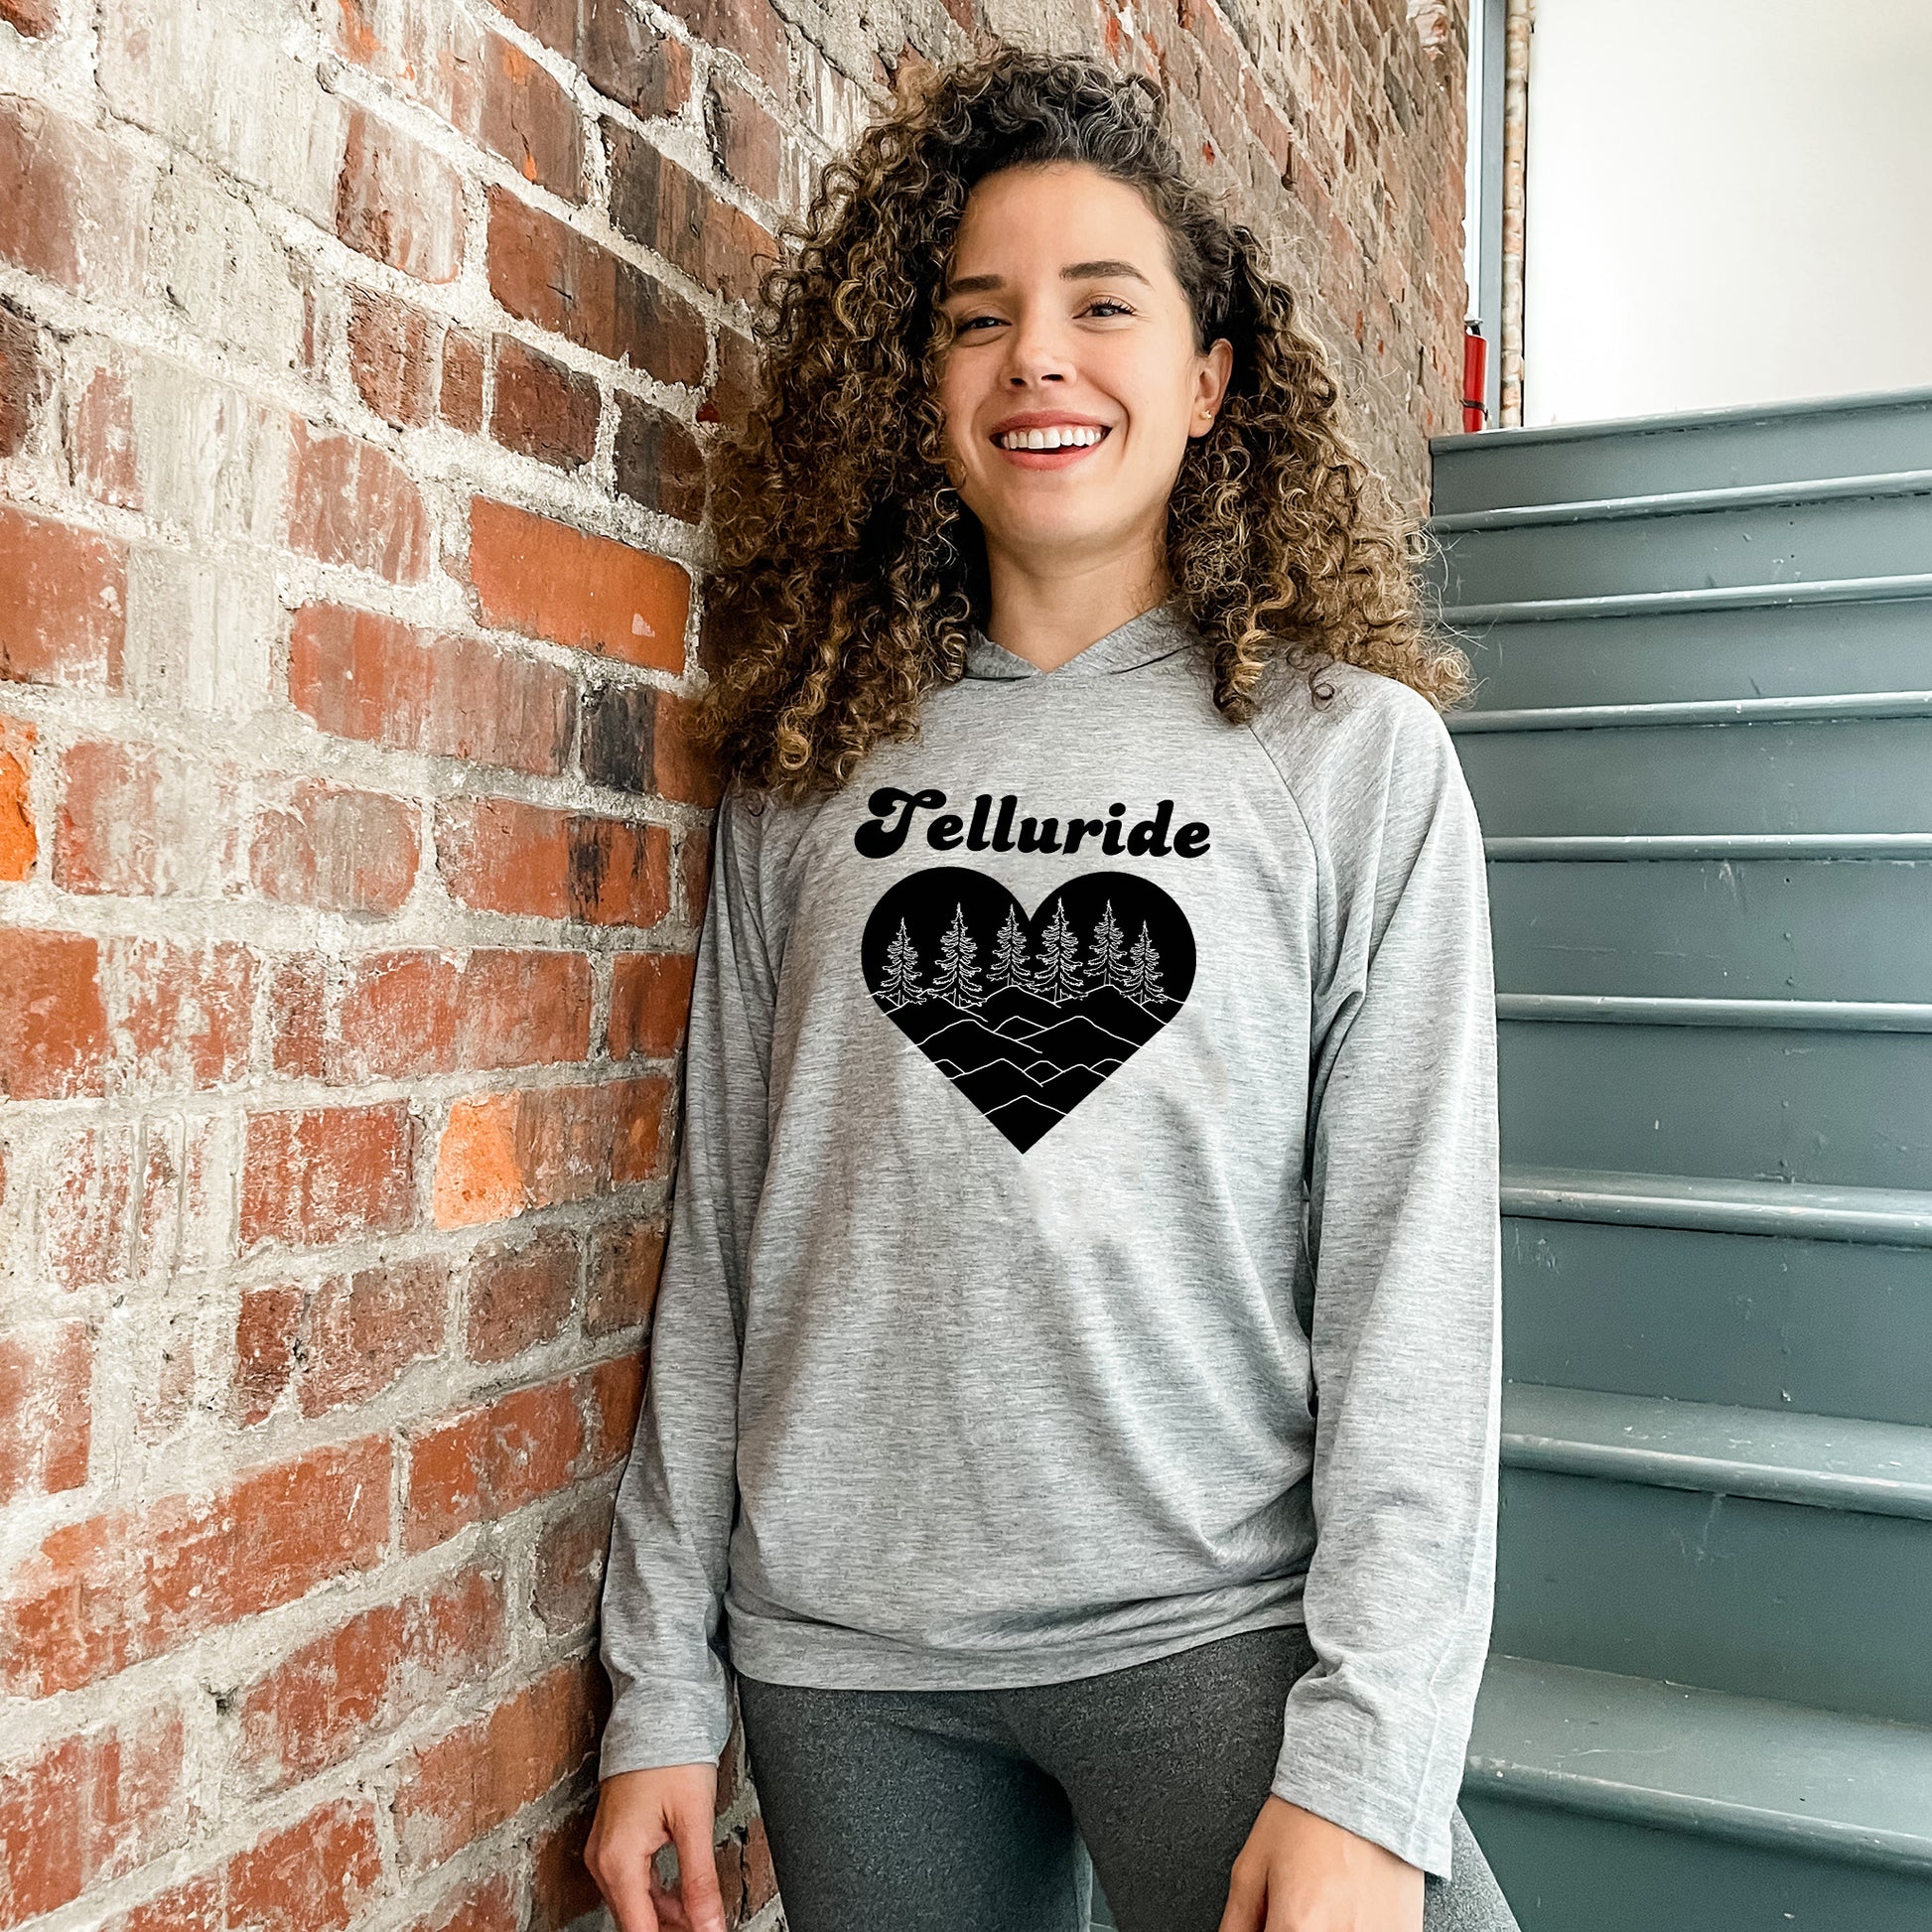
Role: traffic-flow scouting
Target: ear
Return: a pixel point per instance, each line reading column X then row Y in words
column 1211, row 385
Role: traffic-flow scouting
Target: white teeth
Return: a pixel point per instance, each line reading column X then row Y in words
column 1065, row 437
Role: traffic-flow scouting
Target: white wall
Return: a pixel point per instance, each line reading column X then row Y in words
column 1727, row 202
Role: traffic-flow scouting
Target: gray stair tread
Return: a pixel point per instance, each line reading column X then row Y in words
column 1671, row 1754
column 1807, row 1209
column 1592, row 429
column 1682, row 503
column 1884, row 1468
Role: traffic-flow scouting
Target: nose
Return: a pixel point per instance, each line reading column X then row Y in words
column 1035, row 352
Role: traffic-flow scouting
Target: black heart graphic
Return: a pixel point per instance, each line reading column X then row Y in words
column 1026, row 1016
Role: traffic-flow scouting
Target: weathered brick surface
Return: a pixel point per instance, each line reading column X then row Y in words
column 359, row 368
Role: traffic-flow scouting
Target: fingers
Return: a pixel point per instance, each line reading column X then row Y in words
column 697, row 1868
column 619, row 1857
column 1247, row 1899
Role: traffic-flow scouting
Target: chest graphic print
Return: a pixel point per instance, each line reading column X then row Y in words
column 1028, row 1013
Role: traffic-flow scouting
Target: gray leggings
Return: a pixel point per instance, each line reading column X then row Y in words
column 991, row 1811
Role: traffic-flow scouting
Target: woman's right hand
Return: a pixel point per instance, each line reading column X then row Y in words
column 638, row 1814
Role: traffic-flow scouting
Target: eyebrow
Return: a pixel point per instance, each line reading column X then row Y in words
column 1072, row 272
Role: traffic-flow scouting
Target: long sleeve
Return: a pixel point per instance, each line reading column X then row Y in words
column 676, row 1502
column 1405, row 1245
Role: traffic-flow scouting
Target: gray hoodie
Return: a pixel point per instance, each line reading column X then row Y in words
column 1087, row 1188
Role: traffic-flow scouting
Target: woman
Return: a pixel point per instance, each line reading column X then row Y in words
column 1088, row 1182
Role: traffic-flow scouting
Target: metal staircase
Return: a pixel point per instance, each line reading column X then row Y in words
column 1702, row 751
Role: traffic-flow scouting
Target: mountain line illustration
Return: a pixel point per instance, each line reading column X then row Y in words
column 1027, row 1015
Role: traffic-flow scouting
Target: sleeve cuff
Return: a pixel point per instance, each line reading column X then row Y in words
column 662, row 1723
column 1393, row 1784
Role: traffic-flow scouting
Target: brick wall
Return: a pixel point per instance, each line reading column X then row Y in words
column 356, row 364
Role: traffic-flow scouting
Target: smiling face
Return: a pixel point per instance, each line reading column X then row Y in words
column 1072, row 384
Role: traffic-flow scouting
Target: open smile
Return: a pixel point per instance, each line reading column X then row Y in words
column 1059, row 458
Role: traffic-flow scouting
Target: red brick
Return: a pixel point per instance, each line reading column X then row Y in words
column 650, row 1001
column 268, row 1330
column 53, row 1024
column 621, row 54
column 484, row 1464
column 694, row 866
column 570, row 1558
column 341, row 1342
column 83, row 1226
column 527, row 118
column 484, row 1773
column 546, row 272
column 178, row 1168
column 392, row 358
column 24, row 380
column 63, row 620
column 297, row 997
column 409, row 1014
column 520, row 1293
column 370, row 677
column 658, row 462
column 336, row 849
column 658, row 203
column 317, row 1174
column 615, row 1393
column 194, row 1905
column 101, row 453
column 562, row 1889
column 749, row 29
column 19, row 843
column 116, row 1590
column 316, row 1874
column 501, row 855
column 627, row 1258
column 32, row 18
column 461, row 399
column 543, row 409
column 144, row 819
column 489, row 1905
column 354, row 505
column 683, row 768
column 76, row 208
column 184, row 1014
column 745, row 138
column 45, row 1409
column 81, row 1812
column 325, row 1700
column 738, row 384
column 505, row 1154
column 548, row 580
column 399, row 202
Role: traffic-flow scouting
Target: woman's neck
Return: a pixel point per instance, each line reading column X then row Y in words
column 1047, row 619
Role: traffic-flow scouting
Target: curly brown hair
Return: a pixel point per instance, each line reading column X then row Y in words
column 847, row 570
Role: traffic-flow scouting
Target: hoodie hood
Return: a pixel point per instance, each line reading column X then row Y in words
column 1157, row 633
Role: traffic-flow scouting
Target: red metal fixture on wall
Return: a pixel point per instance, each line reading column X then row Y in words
column 1475, row 359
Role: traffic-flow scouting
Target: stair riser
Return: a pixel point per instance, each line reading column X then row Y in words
column 1733, row 1593
column 1779, row 650
column 1827, row 1327
column 1795, row 543
column 1852, row 1109
column 1493, row 471
column 1854, row 774
column 1570, row 1872
column 1743, row 930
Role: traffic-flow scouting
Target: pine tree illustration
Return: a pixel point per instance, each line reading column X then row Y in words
column 1109, row 949
column 1061, row 975
column 1143, row 982
column 957, row 978
column 900, row 986
column 1009, row 949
